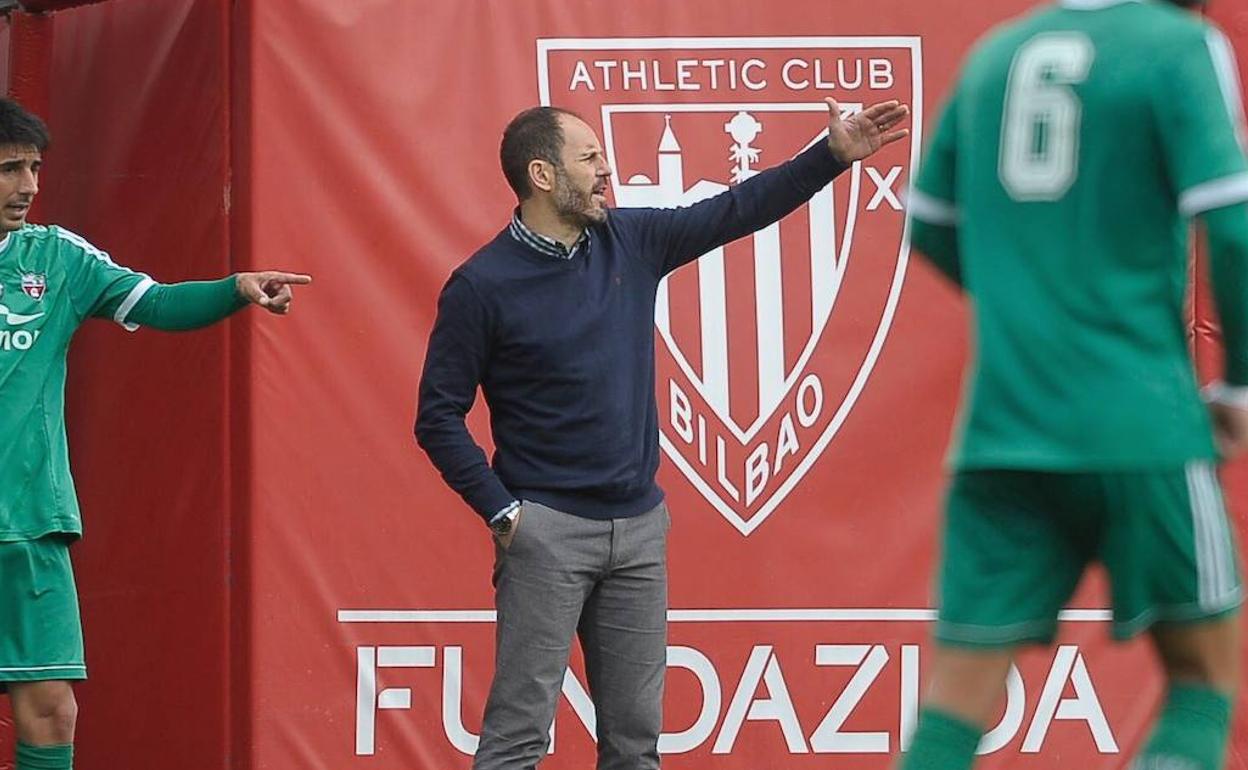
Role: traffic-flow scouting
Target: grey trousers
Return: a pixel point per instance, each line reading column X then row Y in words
column 606, row 582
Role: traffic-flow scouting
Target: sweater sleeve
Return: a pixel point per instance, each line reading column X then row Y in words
column 675, row 237
column 455, row 364
column 185, row 306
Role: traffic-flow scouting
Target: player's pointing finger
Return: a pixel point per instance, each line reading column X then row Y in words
column 287, row 278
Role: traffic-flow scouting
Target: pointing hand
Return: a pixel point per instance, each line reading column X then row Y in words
column 270, row 289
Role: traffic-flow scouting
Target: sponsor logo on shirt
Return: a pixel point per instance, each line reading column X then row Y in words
column 17, row 340
column 17, row 319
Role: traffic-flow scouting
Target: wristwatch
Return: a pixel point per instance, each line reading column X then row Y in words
column 502, row 524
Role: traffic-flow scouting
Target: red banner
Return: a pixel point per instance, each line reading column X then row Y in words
column 804, row 418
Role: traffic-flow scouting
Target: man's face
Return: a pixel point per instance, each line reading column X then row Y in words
column 580, row 189
column 19, row 182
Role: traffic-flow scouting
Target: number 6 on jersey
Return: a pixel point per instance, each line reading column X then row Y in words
column 1040, row 128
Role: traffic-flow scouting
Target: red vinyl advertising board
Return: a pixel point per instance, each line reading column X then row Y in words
column 807, row 379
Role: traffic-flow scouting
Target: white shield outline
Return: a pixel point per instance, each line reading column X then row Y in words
column 746, row 526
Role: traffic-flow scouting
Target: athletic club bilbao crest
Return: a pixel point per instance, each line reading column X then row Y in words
column 765, row 344
column 34, row 284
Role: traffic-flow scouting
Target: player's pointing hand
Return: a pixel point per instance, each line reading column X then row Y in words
column 270, row 289
column 860, row 135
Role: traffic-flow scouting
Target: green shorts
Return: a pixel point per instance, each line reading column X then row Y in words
column 1017, row 543
column 40, row 630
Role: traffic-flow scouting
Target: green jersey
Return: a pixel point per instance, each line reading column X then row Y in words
column 50, row 281
column 1077, row 144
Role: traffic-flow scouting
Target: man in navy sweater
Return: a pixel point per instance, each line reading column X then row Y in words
column 553, row 319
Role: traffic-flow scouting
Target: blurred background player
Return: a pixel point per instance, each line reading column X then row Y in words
column 1077, row 144
column 51, row 280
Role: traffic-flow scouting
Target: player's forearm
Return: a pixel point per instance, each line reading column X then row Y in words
column 187, row 305
column 1228, row 258
column 939, row 244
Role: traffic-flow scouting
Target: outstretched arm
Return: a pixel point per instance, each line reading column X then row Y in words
column 270, row 289
column 678, row 236
column 195, row 304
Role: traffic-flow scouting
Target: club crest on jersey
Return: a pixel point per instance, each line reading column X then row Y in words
column 767, row 342
column 34, row 285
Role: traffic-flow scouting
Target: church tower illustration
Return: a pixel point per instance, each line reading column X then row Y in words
column 669, row 190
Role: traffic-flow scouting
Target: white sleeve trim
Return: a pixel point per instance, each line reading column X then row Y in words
column 933, row 211
column 1218, row 392
column 1214, row 194
column 132, row 299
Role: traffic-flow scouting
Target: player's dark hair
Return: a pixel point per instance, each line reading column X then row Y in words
column 18, row 126
column 534, row 134
column 1189, row 3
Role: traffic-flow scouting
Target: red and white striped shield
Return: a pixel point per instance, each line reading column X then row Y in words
column 766, row 343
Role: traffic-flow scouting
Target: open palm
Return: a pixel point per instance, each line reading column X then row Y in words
column 862, row 134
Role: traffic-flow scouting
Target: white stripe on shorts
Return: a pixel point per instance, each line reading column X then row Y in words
column 1215, row 568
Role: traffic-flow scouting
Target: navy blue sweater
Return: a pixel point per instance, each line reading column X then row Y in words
column 563, row 350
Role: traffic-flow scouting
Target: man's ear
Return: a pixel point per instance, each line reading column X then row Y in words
column 541, row 175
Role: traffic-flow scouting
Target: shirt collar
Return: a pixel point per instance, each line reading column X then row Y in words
column 1092, row 5
column 546, row 245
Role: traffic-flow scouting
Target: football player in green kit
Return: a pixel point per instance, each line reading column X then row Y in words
column 51, row 280
column 1078, row 144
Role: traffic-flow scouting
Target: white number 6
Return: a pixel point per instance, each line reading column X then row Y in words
column 1040, row 128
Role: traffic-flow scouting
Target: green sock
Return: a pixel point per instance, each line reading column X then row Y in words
column 941, row 742
column 1191, row 732
column 45, row 757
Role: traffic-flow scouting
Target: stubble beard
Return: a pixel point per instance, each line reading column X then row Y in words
column 576, row 207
